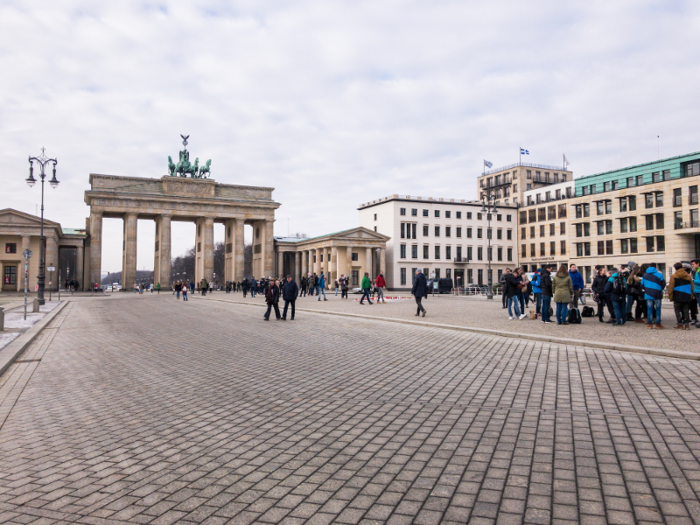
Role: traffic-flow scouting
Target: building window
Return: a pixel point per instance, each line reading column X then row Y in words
column 678, row 220
column 469, row 215
column 623, row 225
column 10, row 276
column 499, row 217
column 469, row 233
column 375, row 228
column 693, row 195
column 402, row 211
column 608, row 227
column 414, row 251
column 414, row 212
column 403, row 251
column 649, row 222
column 601, row 247
column 650, row 244
column 523, row 217
column 459, row 231
column 623, row 205
column 562, row 248
column 458, row 214
column 601, row 227
column 355, row 257
column 479, row 233
column 533, row 253
column 562, row 228
column 437, row 231
column 691, row 169
column 600, row 207
column 648, row 200
column 606, row 186
column 480, row 253
column 499, row 234
column 437, row 252
column 426, row 251
column 437, row 213
column 660, row 243
column 659, row 221
column 509, row 218
column 659, row 199
column 448, row 231
column 403, row 230
column 657, row 177
column 608, row 247
column 523, row 250
column 499, row 254
column 624, row 246
column 448, row 214
column 425, row 213
column 640, row 182
column 633, row 245
column 478, row 216
column 552, row 248
column 509, row 235
column 10, row 247
column 541, row 214
column 509, row 254
column 677, row 197
column 469, row 253
column 426, row 230
column 552, row 230
column 448, row 252
column 633, row 224
column 403, row 276
column 523, row 233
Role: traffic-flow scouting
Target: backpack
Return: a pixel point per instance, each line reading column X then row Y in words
column 587, row 311
column 618, row 287
column 574, row 316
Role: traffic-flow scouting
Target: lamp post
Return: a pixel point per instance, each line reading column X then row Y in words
column 488, row 202
column 42, row 160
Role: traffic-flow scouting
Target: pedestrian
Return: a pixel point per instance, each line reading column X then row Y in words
column 335, row 285
column 525, row 290
column 366, row 286
column 616, row 289
column 577, row 283
column 635, row 294
column 598, row 289
column 178, row 289
column 203, row 285
column 322, row 287
column 312, row 284
column 688, row 267
column 511, row 291
column 695, row 266
column 537, row 290
column 380, row 284
column 343, row 287
column 653, row 283
column 680, row 291
column 502, row 282
column 158, row 288
column 419, row 291
column 184, row 293
column 290, row 292
column 272, row 298
column 562, row 289
column 546, row 286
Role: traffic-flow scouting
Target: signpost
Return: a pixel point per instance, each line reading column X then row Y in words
column 27, row 255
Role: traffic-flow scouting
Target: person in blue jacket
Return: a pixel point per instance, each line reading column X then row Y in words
column 577, row 282
column 616, row 288
column 680, row 291
column 321, row 287
column 537, row 289
column 653, row 283
column 695, row 265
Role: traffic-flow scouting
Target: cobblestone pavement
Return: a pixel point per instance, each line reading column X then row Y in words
column 144, row 409
column 480, row 313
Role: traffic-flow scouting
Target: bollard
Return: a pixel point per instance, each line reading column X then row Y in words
column 35, row 305
column 2, row 319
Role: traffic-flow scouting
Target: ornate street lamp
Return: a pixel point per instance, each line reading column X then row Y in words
column 488, row 201
column 43, row 160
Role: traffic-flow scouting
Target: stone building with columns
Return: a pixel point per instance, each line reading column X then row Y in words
column 350, row 252
column 168, row 199
column 20, row 231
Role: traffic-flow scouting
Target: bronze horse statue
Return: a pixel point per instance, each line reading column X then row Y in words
column 204, row 170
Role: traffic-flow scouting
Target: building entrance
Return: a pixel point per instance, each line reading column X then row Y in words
column 459, row 277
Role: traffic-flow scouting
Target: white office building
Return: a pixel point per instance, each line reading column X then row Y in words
column 445, row 237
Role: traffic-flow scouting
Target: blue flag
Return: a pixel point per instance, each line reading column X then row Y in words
column 488, row 164
column 524, row 151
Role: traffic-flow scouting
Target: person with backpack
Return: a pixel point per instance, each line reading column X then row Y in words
column 379, row 285
column 616, row 287
column 563, row 289
column 653, row 283
column 598, row 289
column 688, row 267
column 321, row 287
column 695, row 266
column 635, row 294
column 184, row 293
column 537, row 290
column 546, row 287
column 680, row 291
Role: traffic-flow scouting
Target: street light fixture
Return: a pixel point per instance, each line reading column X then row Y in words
column 488, row 201
column 42, row 160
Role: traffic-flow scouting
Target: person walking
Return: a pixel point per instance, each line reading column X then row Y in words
column 688, row 267
column 502, row 282
column 512, row 291
column 653, row 283
column 322, row 287
column 203, row 285
column 562, row 288
column 695, row 266
column 537, row 290
column 546, row 286
column 343, row 287
column 312, row 283
column 244, row 287
column 616, row 288
column 419, row 291
column 635, row 294
column 272, row 298
column 366, row 286
column 336, row 287
column 184, row 293
column 577, row 283
column 598, row 289
column 178, row 289
column 525, row 289
column 680, row 291
column 158, row 288
column 290, row 292
column 379, row 285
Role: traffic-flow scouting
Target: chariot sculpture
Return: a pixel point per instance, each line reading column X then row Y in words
column 185, row 167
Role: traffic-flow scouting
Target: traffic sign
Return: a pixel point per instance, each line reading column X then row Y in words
column 27, row 253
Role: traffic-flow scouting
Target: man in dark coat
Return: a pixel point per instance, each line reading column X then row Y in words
column 290, row 292
column 547, row 292
column 272, row 298
column 420, row 290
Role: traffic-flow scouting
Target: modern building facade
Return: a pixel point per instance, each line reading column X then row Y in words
column 510, row 183
column 643, row 213
column 445, row 237
column 543, row 230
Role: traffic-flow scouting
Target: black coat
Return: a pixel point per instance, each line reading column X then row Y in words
column 290, row 291
column 272, row 295
column 598, row 285
column 420, row 286
column 511, row 286
column 546, row 283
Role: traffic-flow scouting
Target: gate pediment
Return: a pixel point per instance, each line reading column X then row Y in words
column 183, row 186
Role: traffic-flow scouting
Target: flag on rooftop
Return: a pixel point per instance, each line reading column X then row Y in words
column 524, row 151
column 488, row 164
column 566, row 161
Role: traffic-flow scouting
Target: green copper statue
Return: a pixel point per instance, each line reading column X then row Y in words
column 183, row 167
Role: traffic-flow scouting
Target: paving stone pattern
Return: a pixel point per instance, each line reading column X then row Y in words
column 143, row 409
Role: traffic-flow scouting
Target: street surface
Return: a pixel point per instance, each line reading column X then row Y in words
column 145, row 409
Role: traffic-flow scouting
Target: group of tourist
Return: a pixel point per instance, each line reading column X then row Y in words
column 633, row 293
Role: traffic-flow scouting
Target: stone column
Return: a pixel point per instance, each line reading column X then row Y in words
column 129, row 252
column 79, row 268
column 268, row 248
column 280, row 265
column 304, row 262
column 95, row 249
column 382, row 263
column 239, row 251
column 163, row 255
column 51, row 260
column 229, row 254
column 334, row 266
column 2, row 275
column 208, row 249
column 368, row 263
column 298, row 269
column 348, row 261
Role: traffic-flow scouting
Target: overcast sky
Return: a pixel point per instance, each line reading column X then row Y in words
column 336, row 103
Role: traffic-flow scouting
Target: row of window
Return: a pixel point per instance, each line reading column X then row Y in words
column 458, row 275
column 552, row 230
column 543, row 214
column 409, row 231
column 543, row 249
column 546, row 177
column 652, row 221
column 548, row 196
column 448, row 214
column 459, row 253
column 655, row 243
column 687, row 170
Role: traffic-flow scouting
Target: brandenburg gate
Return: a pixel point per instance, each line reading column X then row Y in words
column 178, row 198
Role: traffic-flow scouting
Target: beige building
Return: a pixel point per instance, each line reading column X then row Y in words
column 350, row 252
column 444, row 237
column 20, row 231
column 543, row 230
column 510, row 183
column 645, row 213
